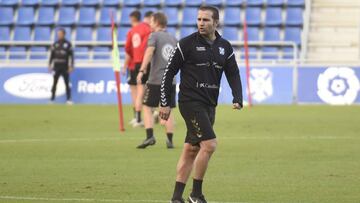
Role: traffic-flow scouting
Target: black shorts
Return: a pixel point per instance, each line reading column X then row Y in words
column 199, row 119
column 133, row 74
column 152, row 96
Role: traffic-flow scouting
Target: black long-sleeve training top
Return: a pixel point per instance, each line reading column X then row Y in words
column 61, row 54
column 202, row 65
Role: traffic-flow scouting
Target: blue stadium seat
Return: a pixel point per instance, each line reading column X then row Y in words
column 172, row 31
column 132, row 2
column 148, row 3
column 232, row 16
column 46, row 16
column 70, row 2
column 4, row 33
column 18, row 53
column 66, row 16
column 125, row 18
column 102, row 53
column 103, row 34
column 272, row 34
column 293, row 34
column 68, row 31
column 146, row 9
column 253, row 34
column 270, row 53
column 294, row 17
column 42, row 33
column 189, row 16
column 49, row 2
column 25, row 16
column 185, row 31
column 87, row 16
column 252, row 53
column 193, row 2
column 38, row 53
column 172, row 16
column 217, row 3
column 173, row 2
column 111, row 2
column 105, row 15
column 234, row 2
column 2, row 52
column 275, row 2
column 273, row 16
column 288, row 53
column 253, row 16
column 296, row 3
column 7, row 16
column 81, row 53
column 230, row 33
column 83, row 34
column 30, row 2
column 90, row 2
column 22, row 33
column 257, row 3
column 9, row 2
column 122, row 32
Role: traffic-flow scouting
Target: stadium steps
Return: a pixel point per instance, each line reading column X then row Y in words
column 334, row 33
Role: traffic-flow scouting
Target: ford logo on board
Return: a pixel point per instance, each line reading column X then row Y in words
column 33, row 86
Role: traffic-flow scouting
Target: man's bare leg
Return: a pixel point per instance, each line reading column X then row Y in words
column 133, row 91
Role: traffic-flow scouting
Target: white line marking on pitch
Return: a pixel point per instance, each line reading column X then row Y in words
column 85, row 199
column 220, row 138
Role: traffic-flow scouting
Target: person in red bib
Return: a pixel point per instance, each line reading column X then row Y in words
column 135, row 46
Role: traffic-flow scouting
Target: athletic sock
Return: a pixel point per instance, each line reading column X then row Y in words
column 178, row 191
column 149, row 133
column 138, row 116
column 169, row 136
column 197, row 188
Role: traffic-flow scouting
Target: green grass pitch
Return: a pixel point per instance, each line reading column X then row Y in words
column 275, row 154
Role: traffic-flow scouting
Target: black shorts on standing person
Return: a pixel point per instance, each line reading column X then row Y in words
column 133, row 74
column 62, row 63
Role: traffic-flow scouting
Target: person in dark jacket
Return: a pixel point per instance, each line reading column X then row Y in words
column 62, row 63
column 202, row 57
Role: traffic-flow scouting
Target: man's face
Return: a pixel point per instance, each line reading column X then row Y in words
column 61, row 35
column 152, row 24
column 133, row 20
column 205, row 22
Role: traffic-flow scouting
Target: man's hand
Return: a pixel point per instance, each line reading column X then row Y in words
column 164, row 113
column 237, row 106
column 123, row 71
column 70, row 69
column 50, row 69
column 139, row 78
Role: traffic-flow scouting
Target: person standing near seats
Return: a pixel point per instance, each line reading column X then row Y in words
column 202, row 58
column 135, row 47
column 62, row 63
column 160, row 46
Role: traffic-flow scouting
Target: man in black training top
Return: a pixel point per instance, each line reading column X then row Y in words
column 202, row 57
column 62, row 62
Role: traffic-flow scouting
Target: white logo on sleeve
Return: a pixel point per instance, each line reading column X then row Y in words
column 338, row 86
column 261, row 84
column 166, row 51
column 136, row 40
column 221, row 51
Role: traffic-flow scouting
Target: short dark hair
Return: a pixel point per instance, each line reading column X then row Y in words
column 160, row 18
column 62, row 30
column 148, row 14
column 214, row 10
column 136, row 14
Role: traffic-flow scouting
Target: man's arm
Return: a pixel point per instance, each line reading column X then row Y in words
column 233, row 77
column 71, row 59
column 51, row 57
column 176, row 61
column 149, row 52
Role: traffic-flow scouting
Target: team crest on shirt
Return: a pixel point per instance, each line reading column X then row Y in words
column 166, row 51
column 136, row 40
column 221, row 51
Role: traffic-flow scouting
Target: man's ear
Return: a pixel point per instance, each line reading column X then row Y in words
column 216, row 23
